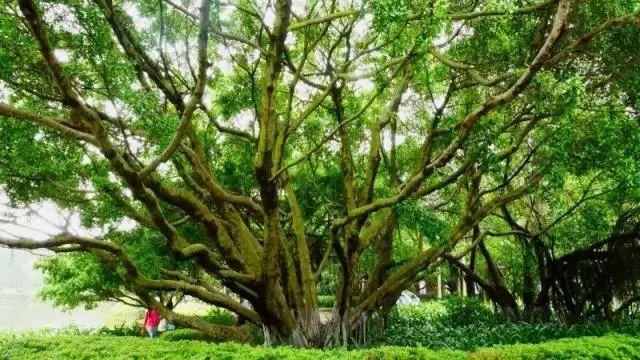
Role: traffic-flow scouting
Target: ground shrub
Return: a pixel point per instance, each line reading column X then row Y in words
column 185, row 334
column 254, row 332
column 469, row 324
column 461, row 311
column 132, row 329
column 27, row 347
column 326, row 301
column 614, row 347
column 219, row 317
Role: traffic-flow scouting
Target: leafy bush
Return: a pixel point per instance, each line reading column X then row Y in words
column 254, row 331
column 123, row 329
column 223, row 317
column 467, row 324
column 437, row 336
column 461, row 311
column 219, row 317
column 326, row 301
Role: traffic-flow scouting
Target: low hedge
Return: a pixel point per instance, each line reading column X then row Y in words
column 185, row 334
column 111, row 347
column 614, row 347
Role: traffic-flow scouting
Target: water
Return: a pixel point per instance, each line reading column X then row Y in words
column 21, row 309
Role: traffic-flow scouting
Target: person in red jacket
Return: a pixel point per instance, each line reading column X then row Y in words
column 151, row 321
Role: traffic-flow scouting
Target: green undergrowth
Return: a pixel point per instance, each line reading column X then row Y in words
column 468, row 324
column 25, row 346
column 618, row 346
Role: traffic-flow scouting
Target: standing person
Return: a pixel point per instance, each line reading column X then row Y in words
column 162, row 326
column 170, row 325
column 151, row 321
column 241, row 319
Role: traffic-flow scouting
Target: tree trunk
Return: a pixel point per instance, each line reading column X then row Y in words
column 528, row 283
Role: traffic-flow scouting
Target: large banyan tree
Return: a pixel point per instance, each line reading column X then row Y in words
column 260, row 145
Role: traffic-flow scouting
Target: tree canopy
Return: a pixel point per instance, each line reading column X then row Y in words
column 277, row 149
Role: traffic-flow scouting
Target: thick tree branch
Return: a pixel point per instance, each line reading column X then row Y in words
column 46, row 121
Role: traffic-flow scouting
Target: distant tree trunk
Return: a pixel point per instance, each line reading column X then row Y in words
column 439, row 283
column 495, row 291
column 471, row 286
column 528, row 282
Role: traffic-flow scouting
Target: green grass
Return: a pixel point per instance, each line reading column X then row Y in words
column 615, row 347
